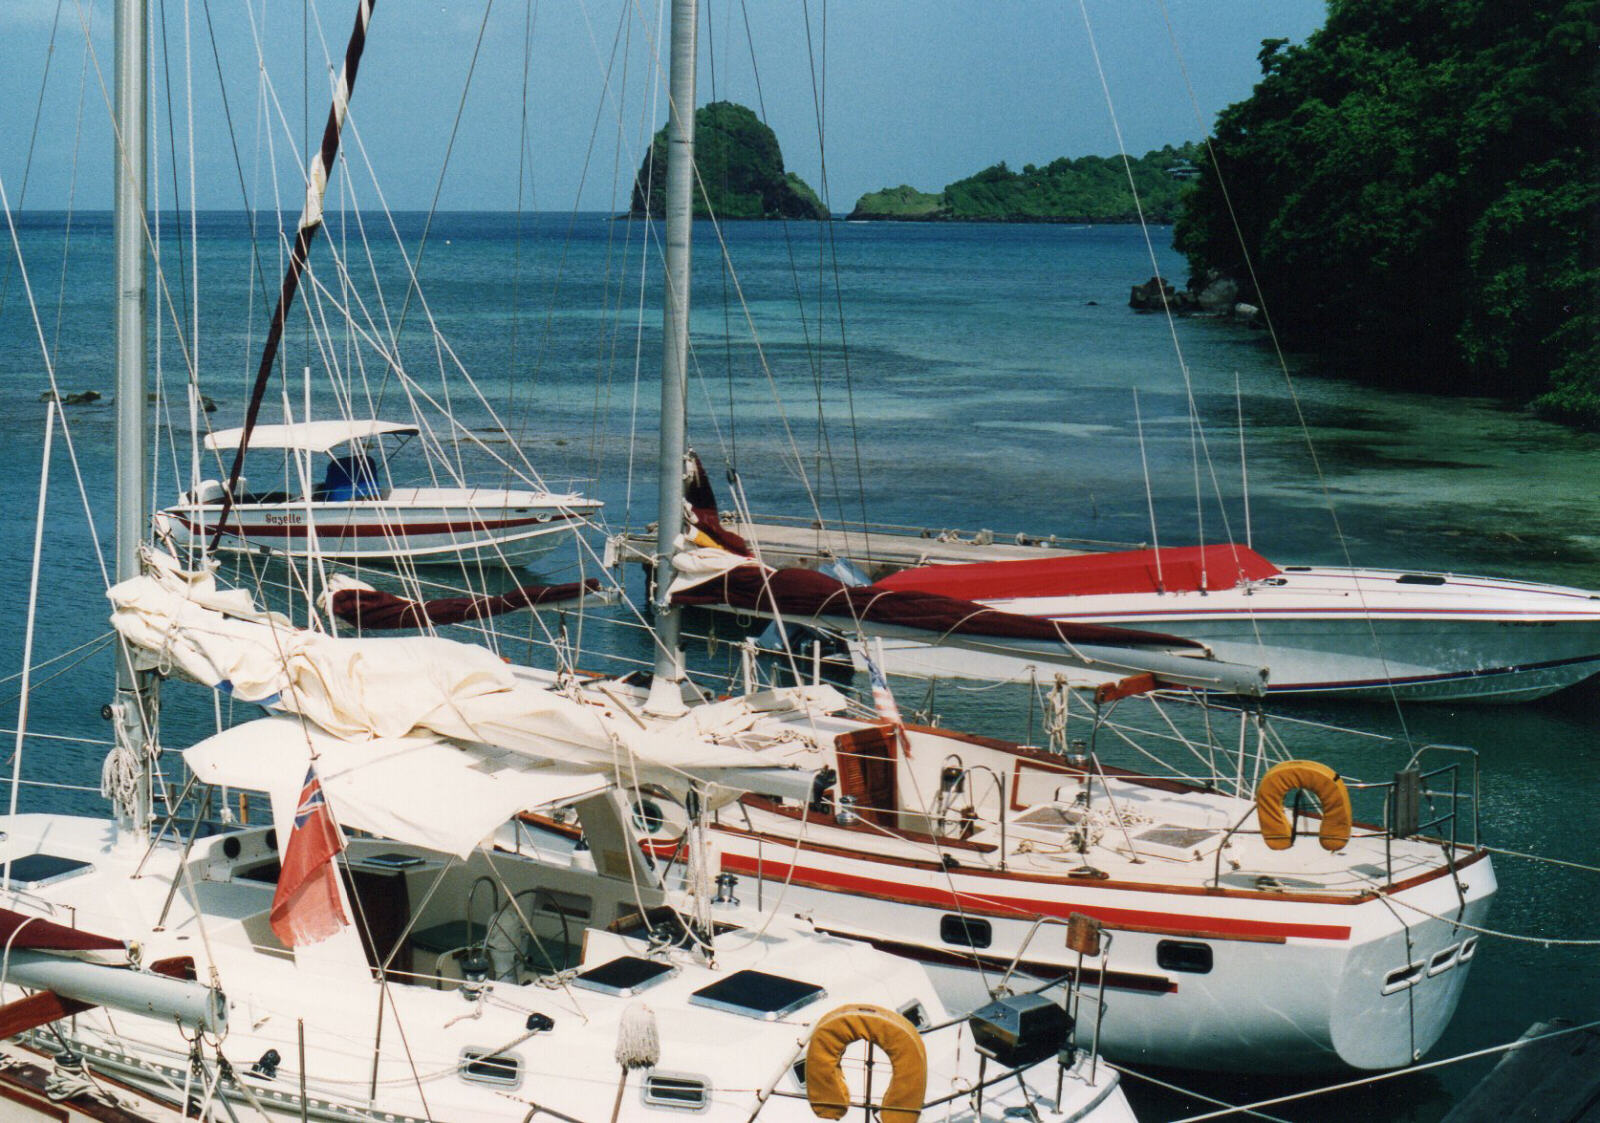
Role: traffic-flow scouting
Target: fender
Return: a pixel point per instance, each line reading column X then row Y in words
column 826, row 1089
column 1318, row 779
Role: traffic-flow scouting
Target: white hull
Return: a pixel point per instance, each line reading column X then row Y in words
column 324, row 1005
column 1308, row 960
column 1339, row 632
column 442, row 525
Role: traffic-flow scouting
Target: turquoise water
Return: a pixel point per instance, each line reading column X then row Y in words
column 970, row 377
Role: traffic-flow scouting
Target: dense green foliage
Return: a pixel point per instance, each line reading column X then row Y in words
column 1088, row 189
column 740, row 170
column 1418, row 183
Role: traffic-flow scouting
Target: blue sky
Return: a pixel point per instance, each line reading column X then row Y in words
column 907, row 92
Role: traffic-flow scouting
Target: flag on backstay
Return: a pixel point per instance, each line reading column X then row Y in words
column 306, row 908
column 883, row 702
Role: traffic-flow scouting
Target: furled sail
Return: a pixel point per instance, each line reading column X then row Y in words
column 356, row 602
column 389, row 688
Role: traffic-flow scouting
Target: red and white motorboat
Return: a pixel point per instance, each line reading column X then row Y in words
column 1320, row 630
column 356, row 514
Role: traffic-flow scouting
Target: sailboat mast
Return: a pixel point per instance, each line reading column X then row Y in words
column 131, row 176
column 666, row 694
column 134, row 709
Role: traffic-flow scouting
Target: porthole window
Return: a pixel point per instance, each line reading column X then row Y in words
column 1184, row 955
column 967, row 931
column 690, row 1093
column 648, row 816
column 1468, row 947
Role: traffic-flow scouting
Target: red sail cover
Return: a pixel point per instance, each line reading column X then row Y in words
column 805, row 592
column 305, row 907
column 369, row 608
column 1129, row 571
column 18, row 930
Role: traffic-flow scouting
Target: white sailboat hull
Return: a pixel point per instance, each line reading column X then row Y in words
column 442, row 525
column 1306, row 996
column 1339, row 632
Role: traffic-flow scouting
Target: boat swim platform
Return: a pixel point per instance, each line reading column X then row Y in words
column 876, row 550
column 1553, row 1078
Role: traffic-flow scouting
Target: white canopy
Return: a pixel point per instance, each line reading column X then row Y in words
column 417, row 789
column 308, row 436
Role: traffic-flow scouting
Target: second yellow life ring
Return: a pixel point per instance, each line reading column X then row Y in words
column 1318, row 779
column 826, row 1089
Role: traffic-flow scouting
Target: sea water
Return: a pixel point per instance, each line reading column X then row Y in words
column 942, row 377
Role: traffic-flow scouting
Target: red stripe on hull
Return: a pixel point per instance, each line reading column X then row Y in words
column 947, row 899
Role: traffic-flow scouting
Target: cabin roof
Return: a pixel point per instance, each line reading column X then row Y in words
column 308, row 436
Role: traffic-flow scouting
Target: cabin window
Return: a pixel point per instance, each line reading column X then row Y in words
column 690, row 1093
column 34, row 870
column 1443, row 960
column 1184, row 955
column 480, row 1066
column 915, row 1014
column 967, row 931
column 1468, row 947
column 648, row 816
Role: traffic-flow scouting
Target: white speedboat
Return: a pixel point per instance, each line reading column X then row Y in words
column 1320, row 630
column 356, row 513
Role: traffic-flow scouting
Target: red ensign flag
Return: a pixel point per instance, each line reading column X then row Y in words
column 306, row 909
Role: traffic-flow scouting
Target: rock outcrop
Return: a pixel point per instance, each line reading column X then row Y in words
column 740, row 167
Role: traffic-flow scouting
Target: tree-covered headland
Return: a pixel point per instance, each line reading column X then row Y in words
column 1417, row 183
column 739, row 167
column 1088, row 189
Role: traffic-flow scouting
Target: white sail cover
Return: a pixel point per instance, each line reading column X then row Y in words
column 420, row 789
column 361, row 689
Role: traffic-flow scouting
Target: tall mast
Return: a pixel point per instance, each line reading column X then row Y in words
column 666, row 690
column 319, row 168
column 133, row 711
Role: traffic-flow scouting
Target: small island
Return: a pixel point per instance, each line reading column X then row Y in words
column 740, row 167
column 1088, row 189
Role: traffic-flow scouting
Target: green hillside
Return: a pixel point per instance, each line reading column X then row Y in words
column 1088, row 189
column 1418, row 187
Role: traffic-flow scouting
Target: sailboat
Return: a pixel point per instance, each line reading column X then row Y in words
column 386, row 946
column 1321, row 630
column 1242, row 942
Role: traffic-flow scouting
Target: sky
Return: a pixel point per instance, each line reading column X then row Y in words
column 862, row 94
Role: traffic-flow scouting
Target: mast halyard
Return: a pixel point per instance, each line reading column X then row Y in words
column 666, row 689
column 133, row 711
column 320, row 167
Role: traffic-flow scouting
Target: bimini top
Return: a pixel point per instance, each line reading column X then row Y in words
column 309, row 436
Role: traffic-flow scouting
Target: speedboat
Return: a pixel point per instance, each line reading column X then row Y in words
column 355, row 513
column 1320, row 630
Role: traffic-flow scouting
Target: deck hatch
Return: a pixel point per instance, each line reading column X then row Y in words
column 624, row 976
column 756, row 994
column 34, row 870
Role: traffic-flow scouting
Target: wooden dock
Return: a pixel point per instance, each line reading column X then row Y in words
column 877, row 550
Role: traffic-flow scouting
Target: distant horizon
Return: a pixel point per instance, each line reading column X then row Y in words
column 912, row 95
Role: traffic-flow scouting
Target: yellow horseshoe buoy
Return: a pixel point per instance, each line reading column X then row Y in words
column 908, row 1059
column 1318, row 779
